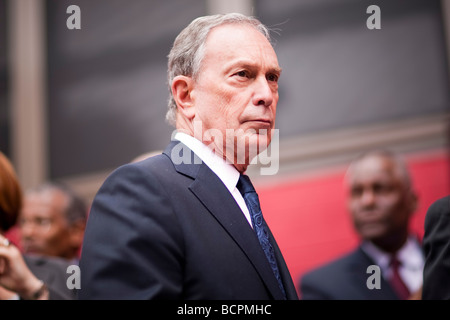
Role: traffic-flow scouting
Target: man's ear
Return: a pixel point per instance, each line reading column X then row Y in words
column 181, row 90
column 77, row 233
column 413, row 201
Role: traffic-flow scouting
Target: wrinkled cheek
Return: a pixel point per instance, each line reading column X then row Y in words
column 224, row 100
column 264, row 140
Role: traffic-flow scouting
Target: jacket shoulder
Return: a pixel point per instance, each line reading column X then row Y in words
column 331, row 268
column 335, row 279
column 53, row 272
column 437, row 209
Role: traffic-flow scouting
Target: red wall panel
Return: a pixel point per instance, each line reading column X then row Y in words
column 309, row 219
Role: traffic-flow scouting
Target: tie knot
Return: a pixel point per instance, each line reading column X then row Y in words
column 244, row 184
column 395, row 262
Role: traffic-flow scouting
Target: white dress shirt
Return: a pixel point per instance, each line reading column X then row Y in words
column 410, row 256
column 226, row 172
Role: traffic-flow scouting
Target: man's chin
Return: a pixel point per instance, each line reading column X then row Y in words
column 252, row 146
column 371, row 231
column 258, row 141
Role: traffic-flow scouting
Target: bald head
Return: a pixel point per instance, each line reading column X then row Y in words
column 392, row 162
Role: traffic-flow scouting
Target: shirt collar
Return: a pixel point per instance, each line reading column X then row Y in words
column 410, row 255
column 226, row 172
column 380, row 257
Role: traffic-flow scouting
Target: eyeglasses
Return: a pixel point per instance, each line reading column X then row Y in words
column 42, row 224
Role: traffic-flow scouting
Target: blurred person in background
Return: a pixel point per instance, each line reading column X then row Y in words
column 52, row 222
column 436, row 244
column 23, row 276
column 381, row 201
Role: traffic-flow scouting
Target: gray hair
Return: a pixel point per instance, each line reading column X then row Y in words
column 188, row 49
column 76, row 209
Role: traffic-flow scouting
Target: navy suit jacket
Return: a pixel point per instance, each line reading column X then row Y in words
column 53, row 272
column 160, row 229
column 344, row 279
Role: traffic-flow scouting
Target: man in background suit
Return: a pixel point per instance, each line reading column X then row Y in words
column 381, row 202
column 436, row 244
column 175, row 226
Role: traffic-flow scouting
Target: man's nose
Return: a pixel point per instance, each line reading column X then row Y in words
column 368, row 198
column 264, row 94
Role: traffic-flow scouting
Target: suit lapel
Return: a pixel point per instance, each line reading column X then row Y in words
column 229, row 215
column 360, row 276
column 226, row 211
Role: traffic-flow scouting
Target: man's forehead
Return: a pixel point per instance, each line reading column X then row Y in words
column 373, row 167
column 232, row 33
column 240, row 43
column 47, row 197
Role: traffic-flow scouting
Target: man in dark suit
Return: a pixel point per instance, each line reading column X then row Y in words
column 175, row 226
column 436, row 243
column 389, row 261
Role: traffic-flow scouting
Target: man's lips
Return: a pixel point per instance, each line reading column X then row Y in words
column 263, row 121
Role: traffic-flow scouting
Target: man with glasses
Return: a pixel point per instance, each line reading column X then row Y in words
column 52, row 222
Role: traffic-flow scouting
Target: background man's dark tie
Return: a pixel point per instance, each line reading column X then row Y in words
column 259, row 225
column 396, row 280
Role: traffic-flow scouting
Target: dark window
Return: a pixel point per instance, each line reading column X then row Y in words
column 338, row 73
column 107, row 82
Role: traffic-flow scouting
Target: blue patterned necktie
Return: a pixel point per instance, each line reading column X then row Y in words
column 250, row 196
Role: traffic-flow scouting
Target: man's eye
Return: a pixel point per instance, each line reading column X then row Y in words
column 383, row 188
column 43, row 221
column 272, row 77
column 241, row 74
column 356, row 192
